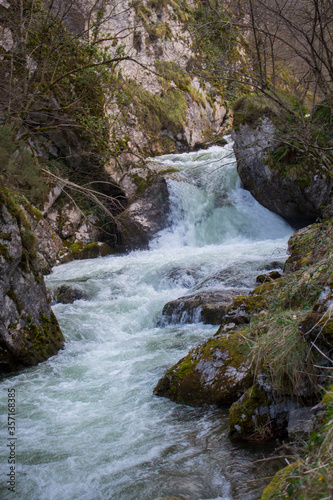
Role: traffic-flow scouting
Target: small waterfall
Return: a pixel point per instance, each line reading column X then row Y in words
column 88, row 425
column 209, row 206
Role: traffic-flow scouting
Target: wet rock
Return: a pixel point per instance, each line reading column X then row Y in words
column 300, row 423
column 145, row 217
column 217, row 372
column 209, row 307
column 269, row 277
column 91, row 251
column 256, row 416
column 274, row 265
column 29, row 331
column 67, row 294
column 185, row 277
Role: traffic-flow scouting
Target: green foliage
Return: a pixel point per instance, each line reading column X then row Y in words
column 248, row 109
column 279, row 348
column 155, row 112
column 215, row 40
column 281, row 352
column 18, row 168
column 311, row 476
column 171, row 72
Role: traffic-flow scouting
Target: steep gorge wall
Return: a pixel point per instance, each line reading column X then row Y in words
column 29, row 331
column 157, row 106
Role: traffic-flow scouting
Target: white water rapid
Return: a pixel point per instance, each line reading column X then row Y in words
column 87, row 424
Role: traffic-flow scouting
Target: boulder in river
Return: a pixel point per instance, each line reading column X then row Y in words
column 66, row 294
column 216, row 372
column 145, row 217
column 206, row 306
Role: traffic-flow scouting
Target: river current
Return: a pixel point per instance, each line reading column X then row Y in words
column 88, row 426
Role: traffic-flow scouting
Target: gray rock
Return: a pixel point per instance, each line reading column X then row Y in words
column 207, row 306
column 300, row 423
column 145, row 217
column 298, row 202
column 29, row 331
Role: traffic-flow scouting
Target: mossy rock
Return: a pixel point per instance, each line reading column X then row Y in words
column 33, row 340
column 249, row 109
column 273, row 490
column 250, row 417
column 216, row 372
column 302, row 245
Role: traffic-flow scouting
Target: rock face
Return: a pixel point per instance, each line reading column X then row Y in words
column 145, row 217
column 298, row 197
column 29, row 331
column 153, row 33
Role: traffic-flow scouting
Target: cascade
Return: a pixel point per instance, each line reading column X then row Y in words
column 88, row 425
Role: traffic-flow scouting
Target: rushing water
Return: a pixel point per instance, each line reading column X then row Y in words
column 88, row 425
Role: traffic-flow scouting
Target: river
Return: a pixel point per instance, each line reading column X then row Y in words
column 88, row 426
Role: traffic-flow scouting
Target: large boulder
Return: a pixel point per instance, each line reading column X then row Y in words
column 300, row 194
column 217, row 372
column 29, row 331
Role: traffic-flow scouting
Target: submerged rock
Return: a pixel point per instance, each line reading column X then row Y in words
column 67, row 295
column 207, row 306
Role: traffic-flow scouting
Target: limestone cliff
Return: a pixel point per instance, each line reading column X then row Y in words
column 29, row 331
column 284, row 180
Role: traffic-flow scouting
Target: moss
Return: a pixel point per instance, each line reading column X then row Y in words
column 214, row 373
column 42, row 338
column 311, row 476
column 155, row 112
column 273, row 490
column 4, row 252
column 29, row 241
column 249, row 416
column 12, row 295
column 76, row 247
column 250, row 109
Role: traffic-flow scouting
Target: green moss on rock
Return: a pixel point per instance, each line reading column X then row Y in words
column 216, row 372
column 249, row 417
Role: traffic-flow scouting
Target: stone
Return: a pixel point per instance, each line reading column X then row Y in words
column 299, row 203
column 144, row 218
column 216, row 372
column 267, row 278
column 67, row 294
column 300, row 423
column 29, row 331
column 256, row 416
column 206, row 306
